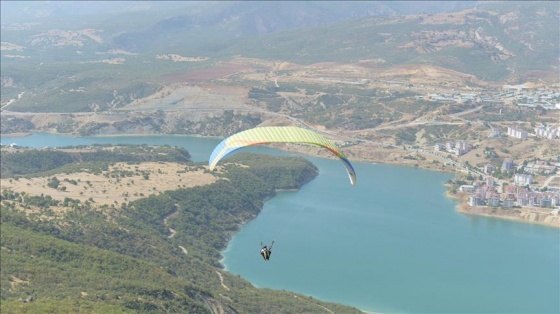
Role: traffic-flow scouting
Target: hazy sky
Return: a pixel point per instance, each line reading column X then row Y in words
column 25, row 11
column 21, row 11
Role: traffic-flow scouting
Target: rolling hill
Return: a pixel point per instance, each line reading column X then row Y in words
column 147, row 250
column 101, row 61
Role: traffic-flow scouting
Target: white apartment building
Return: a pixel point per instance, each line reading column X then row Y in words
column 547, row 132
column 521, row 179
column 517, row 133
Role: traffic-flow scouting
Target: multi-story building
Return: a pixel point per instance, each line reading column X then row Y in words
column 493, row 200
column 517, row 133
column 522, row 179
column 509, row 200
column 467, row 188
column 523, row 196
column 458, row 148
column 547, row 132
column 555, row 198
column 495, row 132
column 539, row 167
column 545, row 201
column 553, row 188
column 476, row 200
column 508, row 164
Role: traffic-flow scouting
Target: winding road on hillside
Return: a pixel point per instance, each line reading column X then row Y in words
column 172, row 231
column 172, row 234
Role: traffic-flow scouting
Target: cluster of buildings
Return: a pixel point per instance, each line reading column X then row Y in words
column 507, row 165
column 540, row 97
column 526, row 96
column 487, row 195
column 519, row 192
column 542, row 131
column 458, row 148
column 454, row 98
column 539, row 167
column 523, row 96
column 547, row 132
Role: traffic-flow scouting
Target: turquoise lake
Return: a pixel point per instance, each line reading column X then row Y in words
column 392, row 244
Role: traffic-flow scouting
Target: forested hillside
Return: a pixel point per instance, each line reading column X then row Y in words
column 155, row 254
column 33, row 162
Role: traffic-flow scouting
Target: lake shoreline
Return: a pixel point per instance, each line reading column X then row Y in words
column 463, row 207
column 416, row 174
column 23, row 134
column 535, row 215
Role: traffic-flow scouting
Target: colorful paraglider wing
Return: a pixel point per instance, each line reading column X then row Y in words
column 349, row 170
column 286, row 134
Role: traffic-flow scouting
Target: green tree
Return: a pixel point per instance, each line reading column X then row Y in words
column 53, row 183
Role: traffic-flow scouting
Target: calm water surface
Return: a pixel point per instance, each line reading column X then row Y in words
column 392, row 243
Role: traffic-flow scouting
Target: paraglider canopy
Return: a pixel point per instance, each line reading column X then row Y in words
column 277, row 134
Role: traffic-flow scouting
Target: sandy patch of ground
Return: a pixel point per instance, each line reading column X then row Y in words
column 179, row 58
column 109, row 61
column 364, row 72
column 419, row 73
column 201, row 75
column 9, row 46
column 15, row 281
column 106, row 188
column 527, row 214
column 458, row 18
column 200, row 97
column 59, row 38
column 116, row 52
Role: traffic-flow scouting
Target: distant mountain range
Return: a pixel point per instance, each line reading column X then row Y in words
column 143, row 26
column 53, row 43
column 277, row 14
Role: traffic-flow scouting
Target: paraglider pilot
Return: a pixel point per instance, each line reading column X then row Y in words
column 266, row 251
